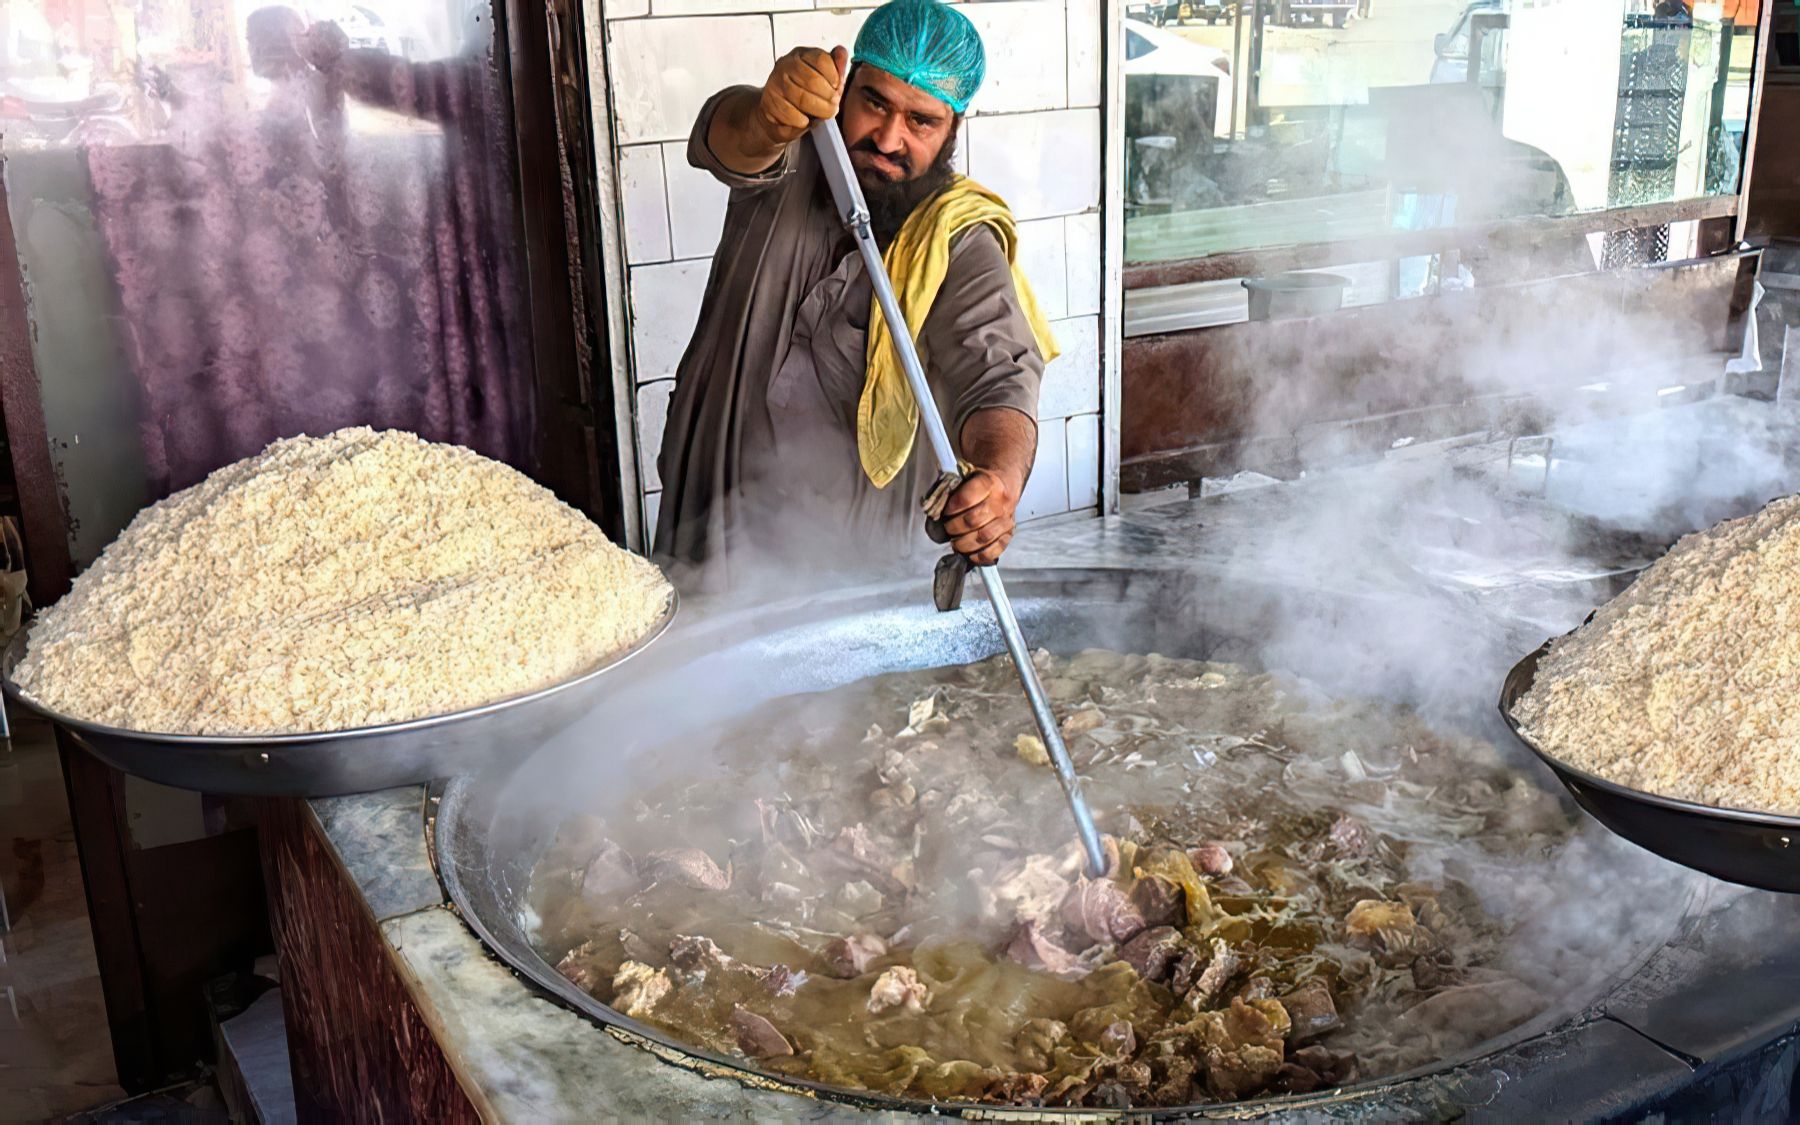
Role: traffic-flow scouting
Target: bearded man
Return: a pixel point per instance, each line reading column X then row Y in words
column 783, row 442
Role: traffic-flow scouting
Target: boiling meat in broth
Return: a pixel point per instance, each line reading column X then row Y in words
column 879, row 888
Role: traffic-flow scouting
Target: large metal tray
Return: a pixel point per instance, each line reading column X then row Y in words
column 332, row 763
column 1755, row 849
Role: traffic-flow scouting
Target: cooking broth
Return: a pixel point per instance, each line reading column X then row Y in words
column 878, row 888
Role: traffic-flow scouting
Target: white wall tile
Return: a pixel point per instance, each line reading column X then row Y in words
column 1025, row 64
column 1084, row 264
column 1072, row 382
column 663, row 70
column 823, row 29
column 1047, row 492
column 646, row 204
column 665, row 305
column 1087, row 75
column 696, row 205
column 652, row 416
column 1084, row 461
column 1045, row 160
column 1044, row 259
column 1040, row 163
column 723, row 7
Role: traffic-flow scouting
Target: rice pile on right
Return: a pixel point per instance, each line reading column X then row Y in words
column 1684, row 685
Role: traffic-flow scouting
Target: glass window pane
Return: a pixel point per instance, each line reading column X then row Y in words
column 243, row 221
column 1330, row 120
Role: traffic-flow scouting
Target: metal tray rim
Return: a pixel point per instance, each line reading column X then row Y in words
column 15, row 652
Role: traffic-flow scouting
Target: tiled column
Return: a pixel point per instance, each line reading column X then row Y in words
column 1033, row 135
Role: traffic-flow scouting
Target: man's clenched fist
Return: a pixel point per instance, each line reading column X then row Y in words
column 803, row 88
column 979, row 516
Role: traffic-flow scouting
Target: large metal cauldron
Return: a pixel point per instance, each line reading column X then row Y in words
column 491, row 829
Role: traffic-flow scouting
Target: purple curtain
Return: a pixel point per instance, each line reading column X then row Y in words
column 321, row 262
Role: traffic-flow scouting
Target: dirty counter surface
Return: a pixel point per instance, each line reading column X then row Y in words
column 1712, row 1018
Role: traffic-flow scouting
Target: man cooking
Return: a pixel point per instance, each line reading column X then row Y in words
column 792, row 437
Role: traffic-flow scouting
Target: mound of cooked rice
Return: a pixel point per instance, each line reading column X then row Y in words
column 338, row 582
column 1684, row 685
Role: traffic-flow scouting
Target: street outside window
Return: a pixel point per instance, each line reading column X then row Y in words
column 1281, row 122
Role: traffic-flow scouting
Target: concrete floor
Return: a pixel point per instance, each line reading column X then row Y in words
column 55, row 1054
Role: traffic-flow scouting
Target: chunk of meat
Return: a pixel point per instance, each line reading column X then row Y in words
column 891, row 797
column 610, row 872
column 1159, row 901
column 1174, row 1077
column 1385, row 926
column 1081, row 720
column 1257, row 988
column 1101, row 909
column 1027, row 890
column 689, row 867
column 898, row 987
column 1210, row 859
column 781, row 980
column 849, row 957
column 1174, row 865
column 1425, row 906
column 1311, row 1010
column 1016, row 1089
column 756, row 1036
column 1335, row 1067
column 857, row 852
column 1209, row 986
column 637, row 987
column 1154, row 952
column 1034, row 949
column 1242, row 1046
column 1117, row 1041
column 1434, row 971
column 1036, row 1042
column 1031, row 751
column 582, row 966
column 1369, row 917
column 701, row 955
column 1351, row 837
column 1239, row 1071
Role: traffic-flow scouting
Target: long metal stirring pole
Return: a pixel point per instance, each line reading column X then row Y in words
column 847, row 193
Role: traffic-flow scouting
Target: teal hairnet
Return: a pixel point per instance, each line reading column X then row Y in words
column 925, row 43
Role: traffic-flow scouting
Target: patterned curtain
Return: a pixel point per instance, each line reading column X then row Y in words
column 343, row 254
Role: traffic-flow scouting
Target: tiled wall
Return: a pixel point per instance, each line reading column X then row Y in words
column 1033, row 135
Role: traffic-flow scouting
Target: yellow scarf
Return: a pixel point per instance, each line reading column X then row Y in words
column 887, row 418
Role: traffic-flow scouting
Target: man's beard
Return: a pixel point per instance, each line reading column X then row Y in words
column 890, row 202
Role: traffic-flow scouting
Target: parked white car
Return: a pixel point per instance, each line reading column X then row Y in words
column 1151, row 51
